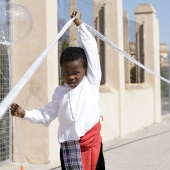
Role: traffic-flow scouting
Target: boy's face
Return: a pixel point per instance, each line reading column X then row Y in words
column 73, row 72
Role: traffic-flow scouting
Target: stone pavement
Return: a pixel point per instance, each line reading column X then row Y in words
column 147, row 149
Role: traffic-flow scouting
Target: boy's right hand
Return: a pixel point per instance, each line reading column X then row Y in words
column 17, row 111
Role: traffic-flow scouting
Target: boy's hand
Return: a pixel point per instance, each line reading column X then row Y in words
column 17, row 111
column 77, row 16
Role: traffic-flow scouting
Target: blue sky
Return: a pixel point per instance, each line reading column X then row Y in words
column 162, row 8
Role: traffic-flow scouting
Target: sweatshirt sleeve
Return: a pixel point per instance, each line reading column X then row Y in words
column 90, row 46
column 43, row 116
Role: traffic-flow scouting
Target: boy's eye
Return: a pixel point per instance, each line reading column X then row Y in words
column 75, row 72
column 65, row 73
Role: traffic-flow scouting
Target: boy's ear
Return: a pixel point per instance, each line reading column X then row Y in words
column 85, row 70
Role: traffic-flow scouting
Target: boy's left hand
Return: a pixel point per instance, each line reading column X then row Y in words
column 77, row 16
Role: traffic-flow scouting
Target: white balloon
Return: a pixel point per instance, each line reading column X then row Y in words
column 15, row 23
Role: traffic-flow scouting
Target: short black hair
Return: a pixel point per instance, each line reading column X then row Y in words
column 72, row 54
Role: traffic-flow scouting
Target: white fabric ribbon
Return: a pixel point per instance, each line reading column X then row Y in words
column 103, row 38
column 4, row 105
column 7, row 101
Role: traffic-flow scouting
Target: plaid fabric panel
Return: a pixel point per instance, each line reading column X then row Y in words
column 72, row 155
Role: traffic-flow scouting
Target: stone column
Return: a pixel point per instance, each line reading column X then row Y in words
column 38, row 143
column 73, row 28
column 114, row 61
column 146, row 14
column 99, row 10
column 126, row 45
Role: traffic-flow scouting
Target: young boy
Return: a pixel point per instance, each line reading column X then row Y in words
column 76, row 104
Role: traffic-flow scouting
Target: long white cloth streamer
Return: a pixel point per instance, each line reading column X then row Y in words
column 123, row 53
column 4, row 105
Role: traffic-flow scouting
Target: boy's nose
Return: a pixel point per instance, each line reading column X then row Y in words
column 71, row 77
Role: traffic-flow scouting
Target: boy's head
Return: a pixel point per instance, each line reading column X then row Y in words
column 73, row 62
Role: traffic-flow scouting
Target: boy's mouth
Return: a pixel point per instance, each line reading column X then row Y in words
column 71, row 84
